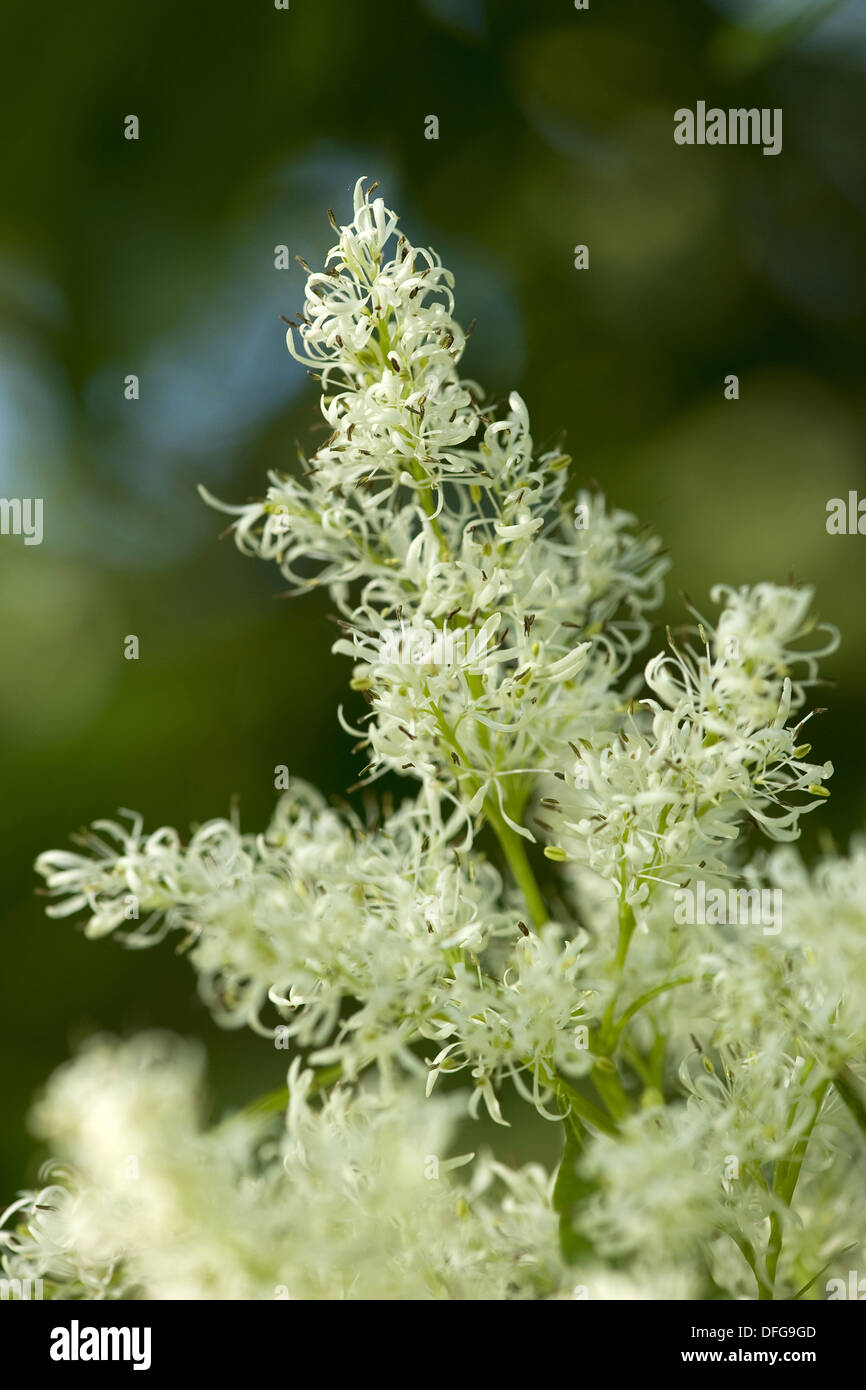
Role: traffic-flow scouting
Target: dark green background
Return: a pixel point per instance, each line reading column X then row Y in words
column 157, row 257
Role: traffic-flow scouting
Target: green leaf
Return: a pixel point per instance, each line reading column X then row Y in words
column 823, row 1270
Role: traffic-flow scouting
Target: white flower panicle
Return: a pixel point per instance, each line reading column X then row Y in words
column 713, row 744
column 432, row 522
column 704, row 1068
column 315, row 911
column 319, row 912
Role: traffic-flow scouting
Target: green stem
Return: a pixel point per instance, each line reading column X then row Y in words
column 628, row 1014
column 518, row 862
column 512, row 844
column 747, row 1250
column 583, row 1108
column 475, row 686
column 605, row 1079
column 626, row 931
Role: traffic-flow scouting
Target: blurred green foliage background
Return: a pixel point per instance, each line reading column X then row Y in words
column 156, row 257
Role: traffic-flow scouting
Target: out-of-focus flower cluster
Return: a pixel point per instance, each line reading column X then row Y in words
column 354, row 1199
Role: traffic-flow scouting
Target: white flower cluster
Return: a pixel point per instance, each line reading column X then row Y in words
column 430, row 518
column 705, row 1070
column 662, row 796
column 320, row 912
column 812, row 975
